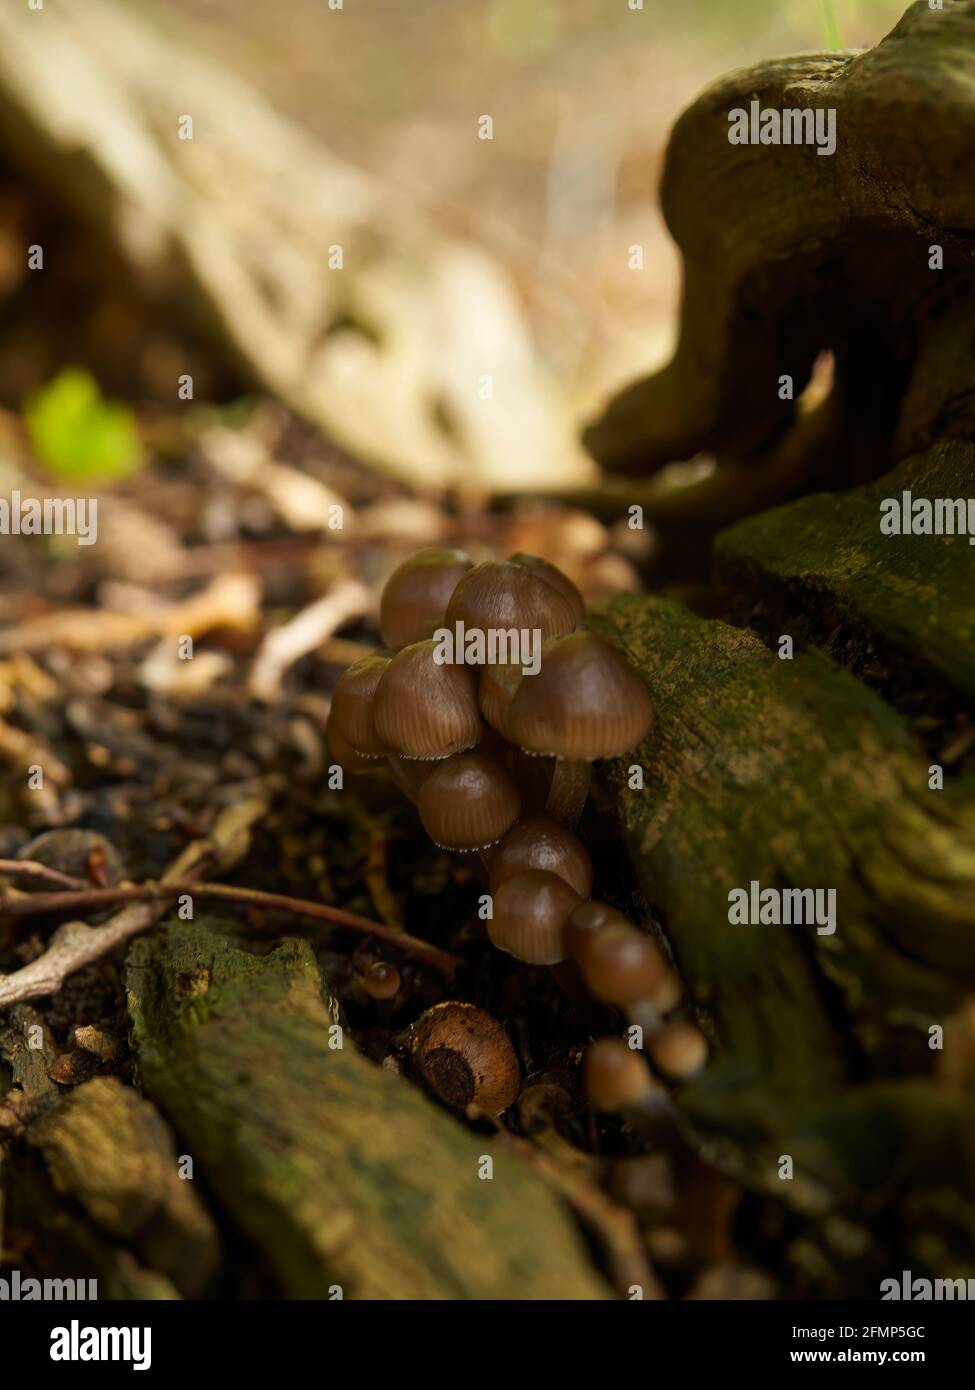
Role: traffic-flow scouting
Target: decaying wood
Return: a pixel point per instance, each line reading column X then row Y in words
column 794, row 774
column 30, row 1057
column 788, row 253
column 822, row 562
column 340, row 1172
column 101, row 1169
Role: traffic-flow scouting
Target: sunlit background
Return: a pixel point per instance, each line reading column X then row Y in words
column 582, row 93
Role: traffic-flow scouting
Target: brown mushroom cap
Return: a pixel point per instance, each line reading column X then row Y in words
column 615, row 1076
column 530, row 911
column 619, row 964
column 554, row 576
column 465, row 1057
column 586, row 702
column 495, row 691
column 501, row 594
column 668, row 992
column 352, row 711
column 546, row 845
column 678, row 1050
column 381, row 980
column 416, row 594
column 341, row 750
column 468, row 802
column 425, row 709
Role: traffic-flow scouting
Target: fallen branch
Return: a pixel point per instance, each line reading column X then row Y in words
column 91, row 899
column 305, row 632
column 337, row 1172
column 75, row 944
column 29, row 869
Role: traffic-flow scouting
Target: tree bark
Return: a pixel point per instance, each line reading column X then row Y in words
column 794, row 774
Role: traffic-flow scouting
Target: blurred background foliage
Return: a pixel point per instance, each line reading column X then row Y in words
column 583, row 94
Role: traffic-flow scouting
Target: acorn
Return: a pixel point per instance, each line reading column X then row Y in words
column 465, row 1057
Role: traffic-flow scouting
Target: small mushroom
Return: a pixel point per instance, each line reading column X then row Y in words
column 381, row 980
column 416, row 594
column 679, row 1050
column 622, row 965
column 553, row 576
column 503, row 594
column 341, row 750
column 353, row 706
column 426, row 709
column 530, row 912
column 465, row 1057
column 495, row 692
column 468, row 802
column 586, row 702
column 548, row 845
column 617, row 1079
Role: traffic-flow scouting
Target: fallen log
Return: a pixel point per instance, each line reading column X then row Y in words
column 791, row 774
column 823, row 569
column 347, row 1179
column 97, row 1178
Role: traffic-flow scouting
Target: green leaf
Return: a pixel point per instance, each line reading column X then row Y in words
column 76, row 433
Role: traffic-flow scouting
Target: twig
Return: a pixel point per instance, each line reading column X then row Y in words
column 229, row 600
column 29, row 868
column 283, row 646
column 75, row 944
column 90, row 900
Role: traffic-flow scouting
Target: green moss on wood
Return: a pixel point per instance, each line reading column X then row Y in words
column 793, row 774
column 825, row 559
column 341, row 1173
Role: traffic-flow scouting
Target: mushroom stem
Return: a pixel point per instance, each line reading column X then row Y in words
column 655, row 1116
column 566, row 975
column 569, row 789
column 400, row 777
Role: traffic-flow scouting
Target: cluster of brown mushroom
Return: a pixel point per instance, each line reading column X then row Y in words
column 497, row 759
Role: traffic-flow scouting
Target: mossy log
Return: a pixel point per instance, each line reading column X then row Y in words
column 791, row 773
column 98, row 1176
column 788, row 252
column 342, row 1174
column 904, row 604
